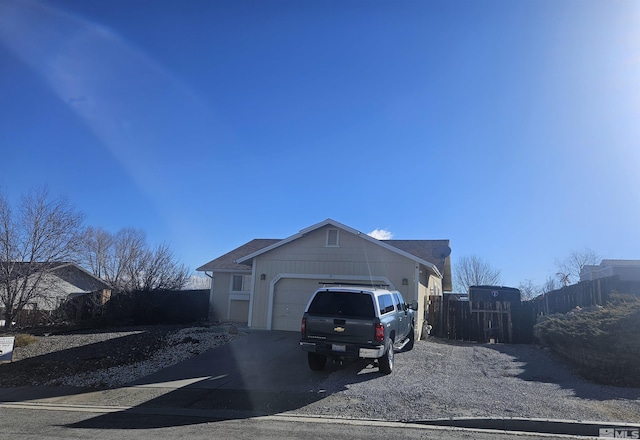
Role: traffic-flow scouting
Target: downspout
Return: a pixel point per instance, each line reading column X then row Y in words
column 210, row 313
column 252, row 293
column 416, row 296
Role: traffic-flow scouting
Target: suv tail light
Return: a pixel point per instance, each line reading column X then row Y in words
column 303, row 326
column 379, row 336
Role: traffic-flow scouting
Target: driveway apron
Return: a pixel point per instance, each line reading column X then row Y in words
column 261, row 360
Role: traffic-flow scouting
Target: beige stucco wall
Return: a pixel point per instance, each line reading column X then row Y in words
column 239, row 311
column 429, row 285
column 225, row 305
column 355, row 256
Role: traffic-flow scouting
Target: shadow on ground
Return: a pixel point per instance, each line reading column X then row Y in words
column 263, row 373
column 542, row 365
column 137, row 344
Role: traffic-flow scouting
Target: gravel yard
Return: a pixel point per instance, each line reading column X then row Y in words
column 109, row 358
column 442, row 379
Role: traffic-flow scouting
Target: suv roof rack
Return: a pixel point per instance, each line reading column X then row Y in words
column 336, row 283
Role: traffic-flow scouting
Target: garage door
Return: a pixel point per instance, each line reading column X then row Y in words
column 290, row 298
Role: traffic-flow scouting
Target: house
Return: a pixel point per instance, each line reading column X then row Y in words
column 627, row 270
column 267, row 283
column 57, row 284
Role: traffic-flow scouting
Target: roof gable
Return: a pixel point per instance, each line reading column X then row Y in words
column 81, row 278
column 429, row 253
column 302, row 233
column 418, row 257
column 67, row 271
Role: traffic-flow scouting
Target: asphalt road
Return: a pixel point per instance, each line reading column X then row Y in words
column 35, row 424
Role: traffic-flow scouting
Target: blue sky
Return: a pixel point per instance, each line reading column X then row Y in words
column 509, row 127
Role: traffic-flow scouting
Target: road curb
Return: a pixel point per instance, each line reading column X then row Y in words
column 546, row 426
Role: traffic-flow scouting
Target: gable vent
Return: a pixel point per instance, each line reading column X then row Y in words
column 332, row 237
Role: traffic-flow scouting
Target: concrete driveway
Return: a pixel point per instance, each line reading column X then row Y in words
column 262, row 373
column 261, row 361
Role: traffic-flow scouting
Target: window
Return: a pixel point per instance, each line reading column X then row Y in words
column 241, row 283
column 355, row 305
column 332, row 237
column 399, row 302
column 386, row 304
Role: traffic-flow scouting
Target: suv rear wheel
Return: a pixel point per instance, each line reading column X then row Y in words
column 412, row 339
column 385, row 363
column 316, row 361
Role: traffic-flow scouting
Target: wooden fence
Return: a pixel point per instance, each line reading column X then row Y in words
column 159, row 307
column 481, row 321
column 155, row 307
column 583, row 294
column 504, row 321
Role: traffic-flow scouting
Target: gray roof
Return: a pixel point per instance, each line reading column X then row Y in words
column 67, row 271
column 428, row 250
column 227, row 262
column 431, row 251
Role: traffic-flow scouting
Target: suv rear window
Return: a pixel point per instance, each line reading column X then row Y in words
column 355, row 305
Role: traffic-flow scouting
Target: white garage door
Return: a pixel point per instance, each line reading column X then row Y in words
column 291, row 296
column 290, row 299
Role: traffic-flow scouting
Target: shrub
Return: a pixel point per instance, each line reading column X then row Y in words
column 604, row 342
column 22, row 340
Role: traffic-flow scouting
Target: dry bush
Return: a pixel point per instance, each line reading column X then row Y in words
column 603, row 342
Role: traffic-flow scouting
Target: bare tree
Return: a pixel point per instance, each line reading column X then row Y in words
column 158, row 270
column 35, row 239
column 474, row 271
column 130, row 246
column 569, row 269
column 126, row 262
column 529, row 290
column 550, row 284
column 97, row 244
column 198, row 282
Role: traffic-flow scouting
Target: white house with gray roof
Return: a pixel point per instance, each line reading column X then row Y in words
column 626, row 270
column 266, row 283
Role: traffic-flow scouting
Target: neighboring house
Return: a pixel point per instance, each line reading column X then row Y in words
column 267, row 283
column 627, row 270
column 60, row 283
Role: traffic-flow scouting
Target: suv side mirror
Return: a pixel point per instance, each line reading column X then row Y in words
column 414, row 305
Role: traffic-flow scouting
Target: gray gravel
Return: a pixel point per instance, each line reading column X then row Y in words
column 438, row 379
column 156, row 352
column 181, row 345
